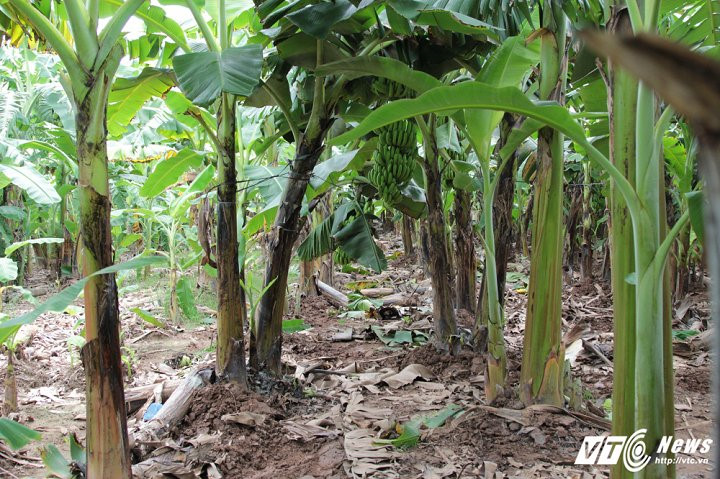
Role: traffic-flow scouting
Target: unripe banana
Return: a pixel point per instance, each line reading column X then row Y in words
column 341, row 257
column 394, row 157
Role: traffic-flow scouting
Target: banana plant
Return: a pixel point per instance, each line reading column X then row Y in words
column 9, row 272
column 27, row 103
column 680, row 159
column 220, row 76
column 315, row 44
column 444, row 319
column 458, row 188
column 476, row 95
column 691, row 23
column 32, row 200
column 170, row 214
column 348, row 228
column 10, row 345
column 541, row 374
column 91, row 59
column 507, row 67
column 646, row 56
column 60, row 149
column 651, row 358
column 639, row 145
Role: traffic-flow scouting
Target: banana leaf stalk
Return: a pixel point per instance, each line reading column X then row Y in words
column 496, row 357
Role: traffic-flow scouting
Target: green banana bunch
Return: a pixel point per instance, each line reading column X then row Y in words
column 388, row 89
column 341, row 257
column 385, row 183
column 368, row 207
column 402, row 134
column 448, row 173
column 390, row 178
column 394, row 159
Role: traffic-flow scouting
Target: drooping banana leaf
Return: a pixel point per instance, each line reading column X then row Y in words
column 354, row 237
column 128, row 95
column 319, row 18
column 357, row 241
column 35, row 185
column 61, row 300
column 186, row 298
column 15, row 434
column 320, row 241
column 168, row 171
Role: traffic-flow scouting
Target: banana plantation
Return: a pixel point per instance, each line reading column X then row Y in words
column 359, row 238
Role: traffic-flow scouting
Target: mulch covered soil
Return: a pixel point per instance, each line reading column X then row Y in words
column 378, row 403
column 258, row 448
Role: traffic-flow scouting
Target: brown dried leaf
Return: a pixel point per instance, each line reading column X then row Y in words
column 245, row 418
column 409, row 374
column 305, row 432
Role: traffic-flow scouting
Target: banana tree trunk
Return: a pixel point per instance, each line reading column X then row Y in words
column 311, row 268
column 107, row 441
column 308, row 270
column 266, row 339
column 710, row 167
column 439, row 262
column 10, row 402
column 586, row 255
column 408, row 230
column 496, row 367
column 497, row 210
column 525, row 219
column 174, row 307
column 65, row 258
column 147, row 232
column 667, row 318
column 541, row 374
column 465, row 263
column 15, row 198
column 231, row 344
column 622, row 105
column 425, row 247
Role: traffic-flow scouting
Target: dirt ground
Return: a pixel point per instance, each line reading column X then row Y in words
column 339, row 398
